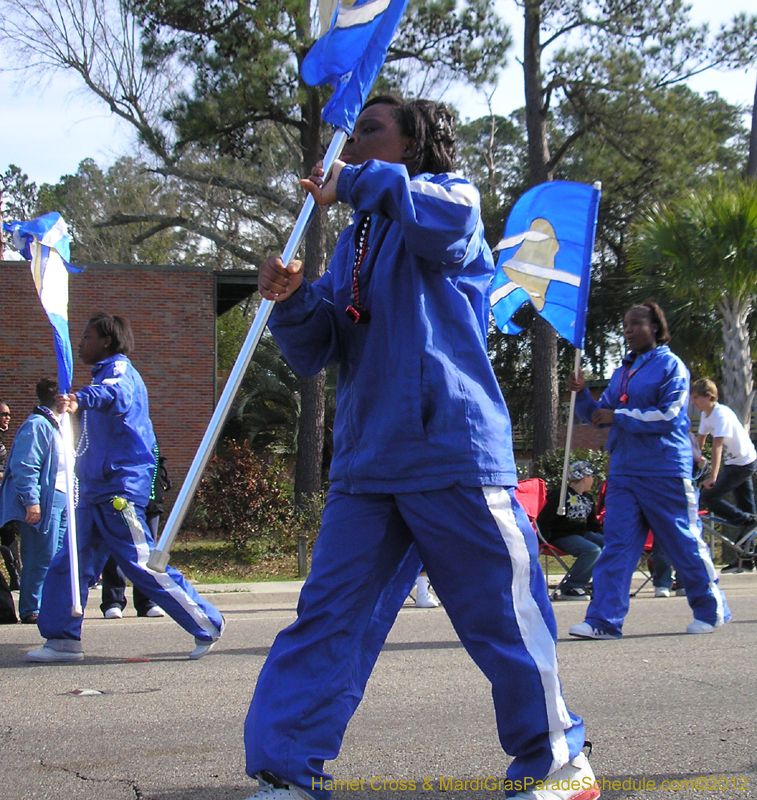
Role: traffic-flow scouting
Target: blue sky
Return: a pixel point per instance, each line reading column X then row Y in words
column 49, row 128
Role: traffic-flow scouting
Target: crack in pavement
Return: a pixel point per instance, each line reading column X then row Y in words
column 132, row 784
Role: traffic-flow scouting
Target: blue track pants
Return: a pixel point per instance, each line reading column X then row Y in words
column 37, row 551
column 101, row 531
column 669, row 507
column 480, row 553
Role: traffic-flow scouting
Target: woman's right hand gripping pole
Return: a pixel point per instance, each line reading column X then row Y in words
column 278, row 282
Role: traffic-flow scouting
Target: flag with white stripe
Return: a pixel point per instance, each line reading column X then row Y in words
column 545, row 258
column 45, row 242
column 350, row 54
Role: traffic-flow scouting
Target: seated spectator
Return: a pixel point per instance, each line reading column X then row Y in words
column 33, row 493
column 733, row 462
column 577, row 532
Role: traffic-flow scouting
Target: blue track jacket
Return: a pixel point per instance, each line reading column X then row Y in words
column 29, row 478
column 418, row 406
column 116, row 452
column 650, row 432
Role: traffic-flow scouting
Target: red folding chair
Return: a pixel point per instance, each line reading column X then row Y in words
column 531, row 493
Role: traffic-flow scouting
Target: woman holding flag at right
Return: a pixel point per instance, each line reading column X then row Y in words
column 422, row 466
column 649, row 482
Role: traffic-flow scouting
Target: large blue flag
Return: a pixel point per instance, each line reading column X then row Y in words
column 45, row 242
column 350, row 54
column 545, row 258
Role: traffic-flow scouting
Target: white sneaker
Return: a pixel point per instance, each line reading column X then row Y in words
column 426, row 601
column 48, row 655
column 203, row 646
column 155, row 611
column 699, row 626
column 661, row 591
column 114, row 612
column 574, row 781
column 280, row 791
column 584, row 631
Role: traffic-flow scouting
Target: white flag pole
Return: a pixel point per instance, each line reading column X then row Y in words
column 569, row 432
column 568, row 440
column 158, row 559
column 73, row 550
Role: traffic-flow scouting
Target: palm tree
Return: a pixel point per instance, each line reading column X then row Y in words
column 266, row 412
column 701, row 250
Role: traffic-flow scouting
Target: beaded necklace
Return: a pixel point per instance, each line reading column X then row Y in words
column 355, row 310
column 45, row 412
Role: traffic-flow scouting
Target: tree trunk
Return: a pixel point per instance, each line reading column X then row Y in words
column 545, row 388
column 738, row 386
column 751, row 165
column 545, row 395
column 309, row 473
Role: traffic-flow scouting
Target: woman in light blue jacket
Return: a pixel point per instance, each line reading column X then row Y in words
column 33, row 494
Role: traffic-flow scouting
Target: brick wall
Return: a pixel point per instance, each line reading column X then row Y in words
column 171, row 311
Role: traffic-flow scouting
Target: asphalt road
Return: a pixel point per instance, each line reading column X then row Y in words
column 659, row 705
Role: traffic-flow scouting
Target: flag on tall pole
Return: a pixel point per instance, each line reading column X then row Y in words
column 45, row 242
column 350, row 54
column 545, row 258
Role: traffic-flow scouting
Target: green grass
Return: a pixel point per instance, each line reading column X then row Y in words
column 210, row 561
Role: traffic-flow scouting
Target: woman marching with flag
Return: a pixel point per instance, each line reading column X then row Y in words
column 115, row 466
column 423, row 467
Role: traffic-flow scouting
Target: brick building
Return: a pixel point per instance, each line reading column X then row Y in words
column 173, row 311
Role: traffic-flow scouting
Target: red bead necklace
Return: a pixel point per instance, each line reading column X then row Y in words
column 355, row 310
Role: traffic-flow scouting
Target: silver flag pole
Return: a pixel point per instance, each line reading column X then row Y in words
column 159, row 557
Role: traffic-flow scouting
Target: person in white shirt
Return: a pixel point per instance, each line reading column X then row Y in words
column 733, row 462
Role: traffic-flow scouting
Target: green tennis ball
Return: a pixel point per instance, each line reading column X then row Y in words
column 119, row 503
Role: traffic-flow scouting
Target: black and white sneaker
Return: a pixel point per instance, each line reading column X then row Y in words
column 571, row 594
column 272, row 788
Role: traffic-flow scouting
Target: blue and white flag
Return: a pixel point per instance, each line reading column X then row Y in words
column 545, row 258
column 45, row 242
column 351, row 53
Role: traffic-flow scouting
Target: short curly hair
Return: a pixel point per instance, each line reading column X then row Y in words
column 431, row 124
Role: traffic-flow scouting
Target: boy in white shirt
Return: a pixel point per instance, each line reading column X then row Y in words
column 733, row 462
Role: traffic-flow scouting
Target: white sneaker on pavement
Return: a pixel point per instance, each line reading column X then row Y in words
column 155, row 611
column 661, row 591
column 574, row 781
column 426, row 601
column 204, row 646
column 584, row 631
column 49, row 655
column 698, row 626
column 114, row 612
